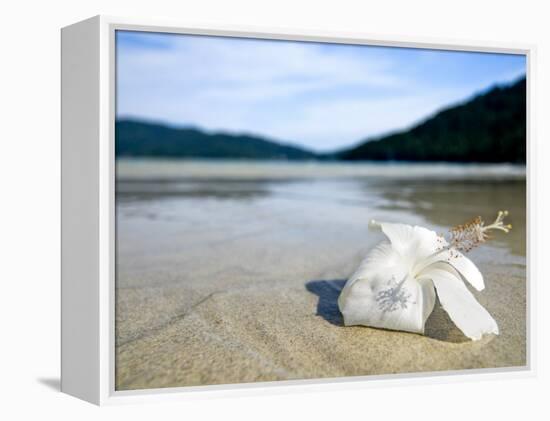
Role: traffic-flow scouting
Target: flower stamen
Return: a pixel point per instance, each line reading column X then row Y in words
column 473, row 233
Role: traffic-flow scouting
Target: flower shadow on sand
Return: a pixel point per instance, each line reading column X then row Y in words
column 438, row 326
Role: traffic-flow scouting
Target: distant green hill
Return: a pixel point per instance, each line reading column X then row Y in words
column 491, row 127
column 141, row 139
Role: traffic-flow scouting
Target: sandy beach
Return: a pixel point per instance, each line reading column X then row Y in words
column 230, row 273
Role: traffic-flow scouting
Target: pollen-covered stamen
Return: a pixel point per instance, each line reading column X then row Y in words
column 471, row 234
column 499, row 223
column 463, row 238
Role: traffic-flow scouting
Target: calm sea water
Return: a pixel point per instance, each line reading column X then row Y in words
column 169, row 209
column 170, row 170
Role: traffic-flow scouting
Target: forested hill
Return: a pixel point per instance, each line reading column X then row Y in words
column 491, row 127
column 141, row 139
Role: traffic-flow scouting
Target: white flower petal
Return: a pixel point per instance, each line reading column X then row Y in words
column 412, row 241
column 389, row 304
column 379, row 294
column 461, row 263
column 428, row 292
column 382, row 257
column 463, row 309
column 468, row 270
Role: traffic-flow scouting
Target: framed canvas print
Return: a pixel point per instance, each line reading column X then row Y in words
column 245, row 209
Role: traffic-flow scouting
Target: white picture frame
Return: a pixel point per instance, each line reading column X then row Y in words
column 88, row 212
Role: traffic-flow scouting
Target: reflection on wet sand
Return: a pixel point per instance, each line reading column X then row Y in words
column 447, row 203
column 135, row 190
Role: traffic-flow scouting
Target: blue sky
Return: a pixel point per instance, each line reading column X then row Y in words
column 322, row 96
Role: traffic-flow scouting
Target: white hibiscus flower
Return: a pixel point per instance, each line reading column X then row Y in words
column 395, row 286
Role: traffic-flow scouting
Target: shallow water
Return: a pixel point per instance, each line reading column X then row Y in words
column 206, row 195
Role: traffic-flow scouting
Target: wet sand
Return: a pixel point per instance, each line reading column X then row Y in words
column 230, row 278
